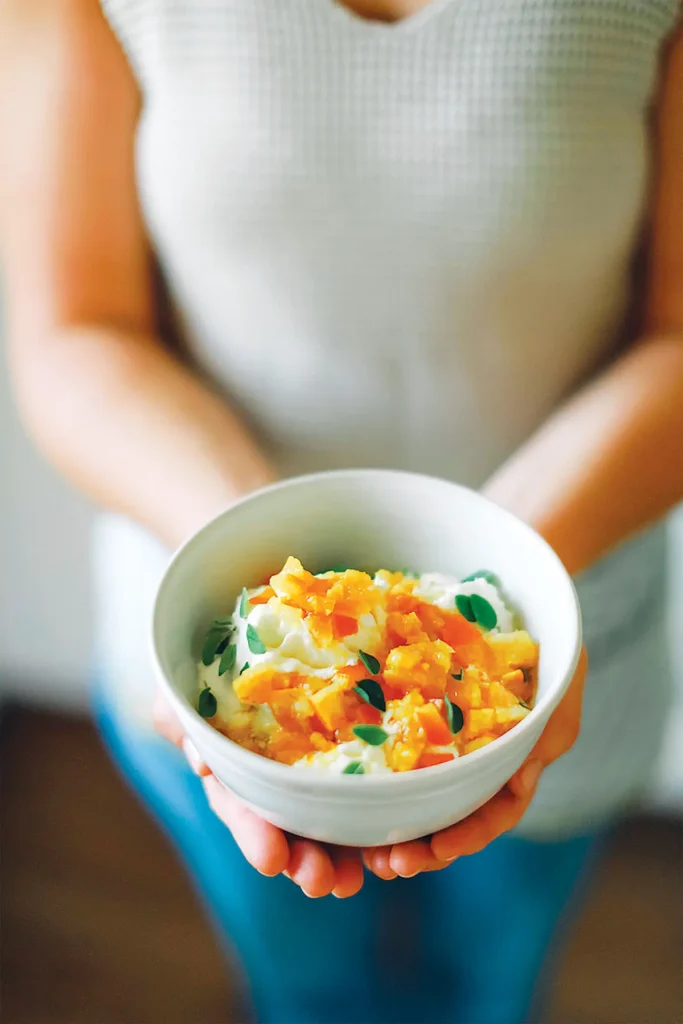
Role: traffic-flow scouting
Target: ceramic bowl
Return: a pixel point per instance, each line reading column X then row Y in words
column 367, row 519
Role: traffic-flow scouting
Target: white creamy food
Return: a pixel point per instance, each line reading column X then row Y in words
column 275, row 639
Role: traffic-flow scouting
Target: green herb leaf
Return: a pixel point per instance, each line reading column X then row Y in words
column 244, row 667
column 227, row 661
column 216, row 639
column 371, row 664
column 457, row 675
column 483, row 611
column 372, row 693
column 372, row 734
column 333, row 568
column 462, row 603
column 454, row 716
column 354, row 768
column 483, row 574
column 224, row 643
column 409, row 574
column 256, row 645
column 244, row 604
column 207, row 705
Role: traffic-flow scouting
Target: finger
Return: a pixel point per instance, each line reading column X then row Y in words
column 523, row 783
column 377, row 860
column 409, row 859
column 263, row 845
column 348, row 870
column 310, row 867
column 563, row 726
column 471, row 835
column 165, row 720
column 467, row 836
column 195, row 762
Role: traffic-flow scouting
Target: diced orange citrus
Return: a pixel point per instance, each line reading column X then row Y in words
column 479, row 721
column 353, row 594
column 436, row 730
column 356, row 712
column 512, row 650
column 321, row 742
column 321, row 629
column 409, row 738
column 288, row 747
column 293, row 709
column 466, row 692
column 344, row 625
column 257, row 684
column 352, row 674
column 329, row 703
column 507, row 717
column 500, row 697
column 405, row 752
column 301, row 589
column 404, row 628
column 392, row 579
column 425, row 653
column 424, row 666
column 516, row 683
column 359, row 712
column 458, row 632
column 481, row 741
column 429, row 759
column 398, row 600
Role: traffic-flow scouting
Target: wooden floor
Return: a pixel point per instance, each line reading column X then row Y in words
column 99, row 925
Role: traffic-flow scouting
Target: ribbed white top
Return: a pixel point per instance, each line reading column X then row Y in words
column 402, row 245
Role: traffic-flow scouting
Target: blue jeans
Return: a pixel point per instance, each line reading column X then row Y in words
column 466, row 945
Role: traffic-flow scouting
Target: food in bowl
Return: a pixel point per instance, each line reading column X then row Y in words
column 350, row 673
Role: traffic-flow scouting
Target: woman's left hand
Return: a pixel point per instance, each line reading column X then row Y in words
column 317, row 869
column 501, row 813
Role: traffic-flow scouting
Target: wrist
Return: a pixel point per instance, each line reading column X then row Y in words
column 217, row 492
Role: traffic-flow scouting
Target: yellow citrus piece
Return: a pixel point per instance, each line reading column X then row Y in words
column 512, row 651
column 257, row 684
column 409, row 739
column 424, row 666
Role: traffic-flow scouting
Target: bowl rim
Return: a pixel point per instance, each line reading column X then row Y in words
column 282, row 773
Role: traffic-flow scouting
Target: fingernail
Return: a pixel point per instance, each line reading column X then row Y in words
column 531, row 773
column 411, row 875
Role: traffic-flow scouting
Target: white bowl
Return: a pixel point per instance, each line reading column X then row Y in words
column 367, row 519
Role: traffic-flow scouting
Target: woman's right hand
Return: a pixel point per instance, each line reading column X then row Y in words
column 317, row 869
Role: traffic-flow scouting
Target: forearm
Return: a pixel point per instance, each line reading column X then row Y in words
column 136, row 430
column 607, row 463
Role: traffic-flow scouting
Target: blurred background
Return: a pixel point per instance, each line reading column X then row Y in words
column 98, row 923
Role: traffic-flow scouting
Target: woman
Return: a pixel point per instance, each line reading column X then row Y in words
column 393, row 233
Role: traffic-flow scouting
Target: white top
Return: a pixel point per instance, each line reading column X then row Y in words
column 401, row 246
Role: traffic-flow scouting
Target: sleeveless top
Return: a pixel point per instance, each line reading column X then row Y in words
column 402, row 245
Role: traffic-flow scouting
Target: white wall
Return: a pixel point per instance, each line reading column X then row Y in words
column 44, row 589
column 44, row 593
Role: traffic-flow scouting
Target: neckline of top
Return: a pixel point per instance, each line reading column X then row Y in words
column 410, row 23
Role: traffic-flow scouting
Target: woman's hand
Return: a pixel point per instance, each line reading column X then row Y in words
column 317, row 869
column 501, row 813
column 320, row 870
